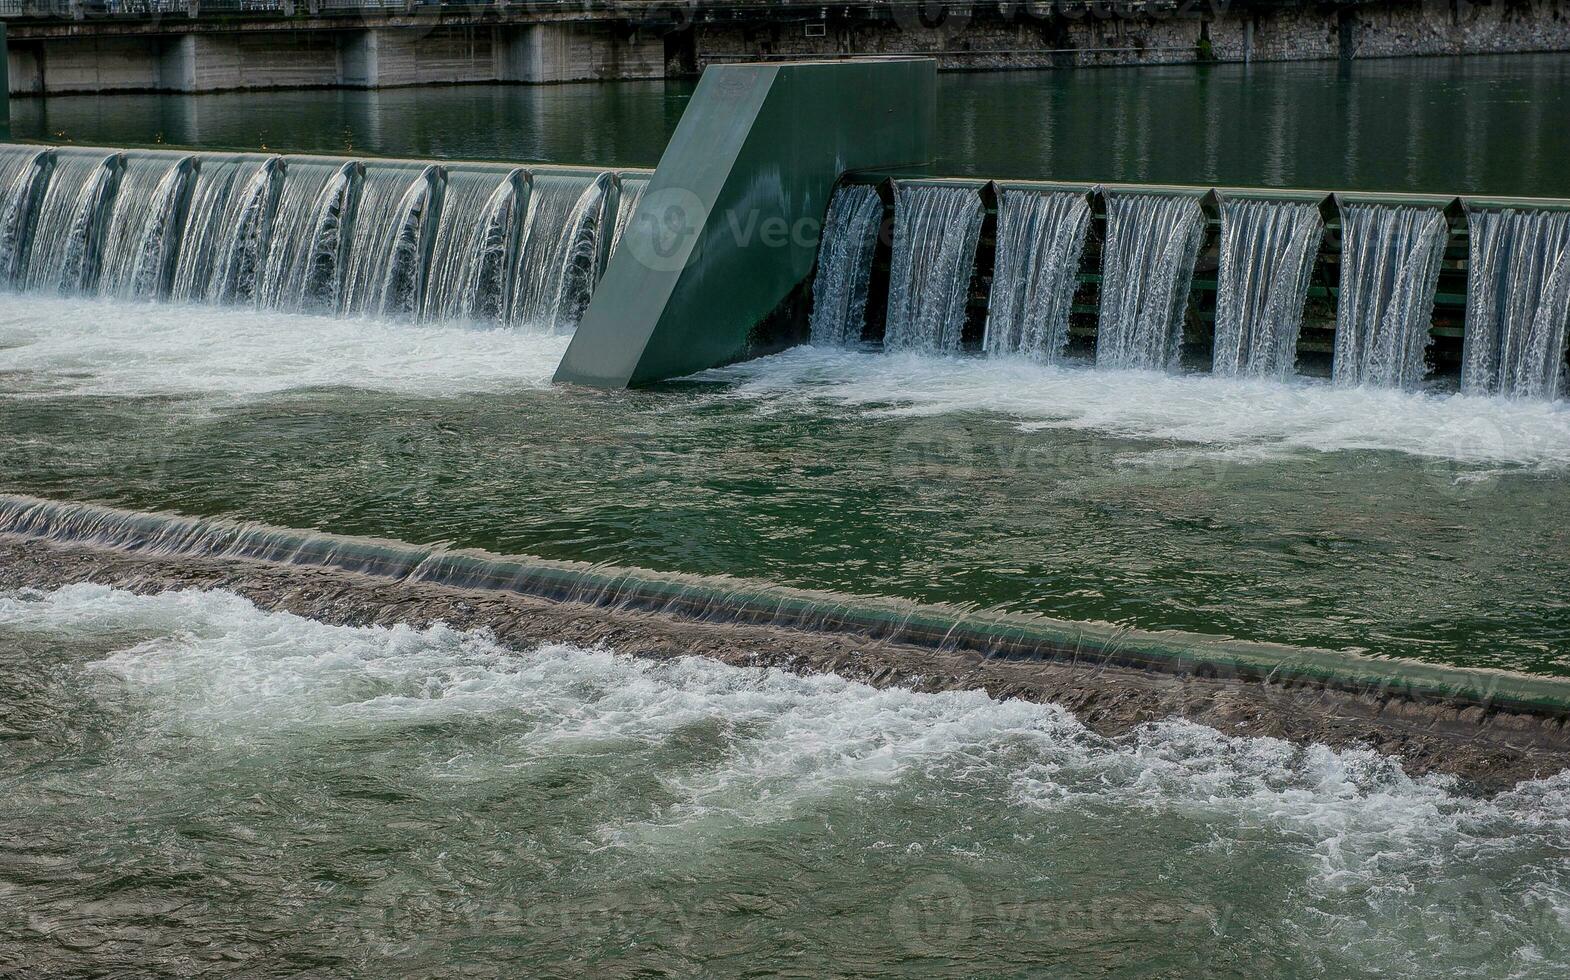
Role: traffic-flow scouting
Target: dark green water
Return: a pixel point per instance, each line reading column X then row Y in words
column 1482, row 125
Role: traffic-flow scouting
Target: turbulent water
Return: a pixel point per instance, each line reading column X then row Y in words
column 387, row 254
column 143, row 233
column 222, row 248
column 1268, row 250
column 193, row 784
column 1147, row 265
column 303, row 268
column 1040, row 237
column 839, row 288
column 1390, row 262
column 67, row 235
column 936, row 229
column 1517, row 304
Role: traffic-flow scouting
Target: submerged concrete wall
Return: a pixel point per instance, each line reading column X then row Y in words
column 728, row 227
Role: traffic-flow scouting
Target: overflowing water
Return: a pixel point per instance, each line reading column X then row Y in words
column 1390, row 262
column 1147, row 265
column 395, row 240
column 1517, row 304
column 143, row 233
column 23, row 171
column 67, row 236
column 474, row 242
column 194, row 784
column 632, row 189
column 303, row 267
column 1040, row 237
column 560, row 254
column 936, row 230
column 1268, row 250
column 221, row 250
column 839, row 290
column 387, row 251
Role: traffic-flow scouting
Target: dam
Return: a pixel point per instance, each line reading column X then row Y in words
column 789, row 523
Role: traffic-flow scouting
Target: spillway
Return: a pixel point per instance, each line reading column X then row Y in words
column 559, row 259
column 24, row 173
column 839, row 291
column 1390, row 263
column 386, row 251
column 1267, row 255
column 302, row 234
column 475, row 239
column 67, row 234
column 1518, row 303
column 936, row 229
column 1152, row 242
column 1041, row 235
column 143, row 231
column 225, row 229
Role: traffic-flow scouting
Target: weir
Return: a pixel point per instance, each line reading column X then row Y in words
column 733, row 601
column 717, row 254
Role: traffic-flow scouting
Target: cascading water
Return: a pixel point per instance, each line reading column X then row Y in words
column 68, row 235
column 1267, row 256
column 24, row 175
column 936, row 229
column 632, row 189
column 384, row 270
column 839, row 291
column 559, row 259
column 1041, row 235
column 1517, row 303
column 472, row 250
column 1146, row 269
column 304, row 266
column 1390, row 259
column 225, row 229
column 144, row 227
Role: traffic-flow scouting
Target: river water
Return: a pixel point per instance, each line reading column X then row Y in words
column 192, row 785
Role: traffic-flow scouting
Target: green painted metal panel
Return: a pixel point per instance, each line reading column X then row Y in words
column 728, row 227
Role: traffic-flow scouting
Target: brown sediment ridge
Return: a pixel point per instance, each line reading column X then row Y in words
column 1492, row 728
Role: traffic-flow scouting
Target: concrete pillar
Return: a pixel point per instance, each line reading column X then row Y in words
column 538, row 53
column 177, row 64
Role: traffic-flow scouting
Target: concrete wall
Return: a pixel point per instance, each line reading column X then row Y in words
column 580, row 52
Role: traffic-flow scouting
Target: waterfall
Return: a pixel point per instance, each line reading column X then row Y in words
column 839, row 292
column 1390, row 258
column 1267, row 255
column 1517, row 303
column 1147, row 266
column 1041, row 235
column 68, row 234
column 226, row 224
column 476, row 233
column 386, row 250
column 24, row 175
column 143, row 233
column 304, row 265
column 936, row 229
column 559, row 259
column 632, row 189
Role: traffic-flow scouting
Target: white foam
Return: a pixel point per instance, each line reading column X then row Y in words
column 54, row 345
column 1254, row 416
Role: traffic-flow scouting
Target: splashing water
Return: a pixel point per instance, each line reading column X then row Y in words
column 1147, row 266
column 839, row 292
column 936, row 229
column 559, row 258
column 1390, row 261
column 1517, row 303
column 1041, row 235
column 1267, row 255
